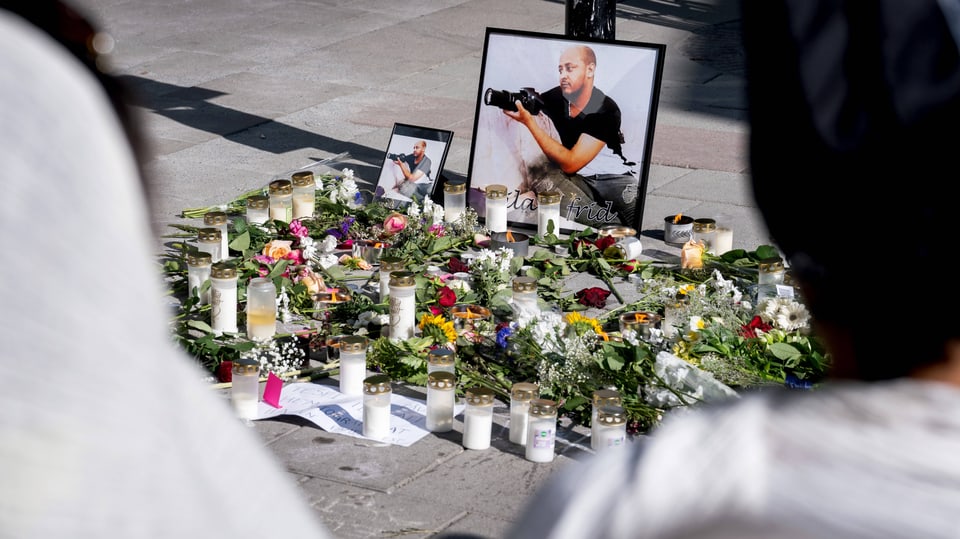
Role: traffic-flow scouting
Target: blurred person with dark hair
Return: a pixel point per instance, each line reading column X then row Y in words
column 841, row 95
column 106, row 427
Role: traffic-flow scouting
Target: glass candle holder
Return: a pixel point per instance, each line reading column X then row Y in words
column 258, row 209
column 611, row 428
column 640, row 322
column 218, row 220
column 208, row 241
column 376, row 406
column 388, row 265
column 353, row 364
column 198, row 272
column 466, row 317
column 478, row 418
column 223, row 298
column 454, row 200
column 403, row 305
column 704, row 230
column 304, row 194
column 441, row 398
column 630, row 247
column 601, row 397
column 771, row 271
column 441, row 359
column 617, row 231
column 496, row 208
column 548, row 211
column 723, row 241
column 261, row 309
column 281, row 200
column 541, row 431
column 524, row 297
column 521, row 395
column 673, row 314
column 245, row 388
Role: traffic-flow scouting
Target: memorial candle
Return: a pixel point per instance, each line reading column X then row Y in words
column 478, row 418
column 353, row 364
column 441, row 398
column 454, row 200
column 541, row 431
column 376, row 406
column 403, row 305
column 548, row 211
column 304, row 194
column 496, row 208
column 521, row 395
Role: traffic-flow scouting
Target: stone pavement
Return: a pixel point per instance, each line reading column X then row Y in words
column 234, row 92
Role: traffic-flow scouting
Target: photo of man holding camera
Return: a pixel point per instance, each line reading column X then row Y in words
column 585, row 134
column 589, row 150
column 413, row 178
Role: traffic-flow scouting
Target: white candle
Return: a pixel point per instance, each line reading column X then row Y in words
column 223, row 298
column 478, row 418
column 520, row 396
column 376, row 406
column 541, row 431
column 304, row 194
column 376, row 419
column 496, row 208
column 198, row 272
column 611, row 429
column 548, row 209
column 601, row 397
column 403, row 305
column 353, row 364
column 723, row 241
column 454, row 200
column 245, row 388
column 440, row 408
column 477, row 426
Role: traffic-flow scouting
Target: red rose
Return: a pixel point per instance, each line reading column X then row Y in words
column 605, row 241
column 593, row 297
column 456, row 266
column 435, row 311
column 446, row 297
column 750, row 329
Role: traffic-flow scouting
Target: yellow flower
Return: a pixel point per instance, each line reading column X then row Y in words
column 578, row 321
column 438, row 327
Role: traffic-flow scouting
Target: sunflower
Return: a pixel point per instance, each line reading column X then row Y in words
column 580, row 323
column 438, row 328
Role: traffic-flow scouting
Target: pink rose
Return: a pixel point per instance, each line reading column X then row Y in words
column 395, row 222
column 298, row 230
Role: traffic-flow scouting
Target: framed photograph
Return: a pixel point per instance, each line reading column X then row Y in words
column 412, row 163
column 583, row 127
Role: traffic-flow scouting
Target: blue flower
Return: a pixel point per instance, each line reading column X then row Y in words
column 358, row 197
column 502, row 336
column 796, row 383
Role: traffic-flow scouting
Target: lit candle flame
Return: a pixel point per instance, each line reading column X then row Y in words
column 640, row 317
column 510, row 237
column 677, row 218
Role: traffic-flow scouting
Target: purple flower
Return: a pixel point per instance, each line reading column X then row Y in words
column 503, row 335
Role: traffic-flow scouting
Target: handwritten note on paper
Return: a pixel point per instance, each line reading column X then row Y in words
column 333, row 411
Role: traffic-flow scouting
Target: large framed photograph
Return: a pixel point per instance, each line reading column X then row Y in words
column 583, row 126
column 412, row 163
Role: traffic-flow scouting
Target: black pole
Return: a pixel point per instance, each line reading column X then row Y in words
column 592, row 19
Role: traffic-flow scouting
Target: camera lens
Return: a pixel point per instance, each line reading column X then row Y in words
column 488, row 96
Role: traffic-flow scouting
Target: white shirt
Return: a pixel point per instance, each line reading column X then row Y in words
column 851, row 461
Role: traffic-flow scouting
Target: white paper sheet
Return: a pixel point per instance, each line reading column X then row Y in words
column 333, row 411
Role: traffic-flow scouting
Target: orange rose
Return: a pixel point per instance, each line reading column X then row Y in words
column 691, row 256
column 395, row 222
column 277, row 249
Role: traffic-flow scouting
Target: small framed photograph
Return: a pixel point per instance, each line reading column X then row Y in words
column 412, row 163
column 566, row 115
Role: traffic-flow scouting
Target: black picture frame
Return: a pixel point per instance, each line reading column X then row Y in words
column 390, row 186
column 505, row 152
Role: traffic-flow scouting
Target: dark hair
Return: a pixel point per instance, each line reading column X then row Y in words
column 852, row 168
